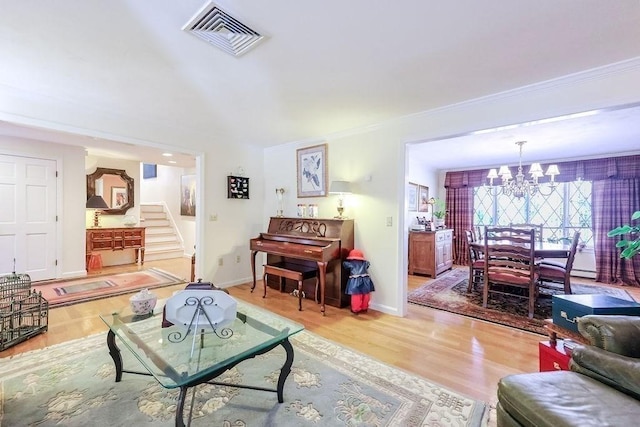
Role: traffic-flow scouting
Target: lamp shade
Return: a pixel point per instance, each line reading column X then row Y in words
column 96, row 202
column 340, row 187
column 553, row 170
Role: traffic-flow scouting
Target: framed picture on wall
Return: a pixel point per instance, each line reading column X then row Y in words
column 188, row 195
column 149, row 171
column 237, row 187
column 311, row 167
column 423, row 198
column 412, row 197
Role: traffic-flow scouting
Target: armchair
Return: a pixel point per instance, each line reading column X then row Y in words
column 602, row 387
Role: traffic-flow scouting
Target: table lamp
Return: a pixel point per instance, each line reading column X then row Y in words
column 96, row 203
column 341, row 188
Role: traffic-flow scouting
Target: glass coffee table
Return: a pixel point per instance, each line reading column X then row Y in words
column 179, row 358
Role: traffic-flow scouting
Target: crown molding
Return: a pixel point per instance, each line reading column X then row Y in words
column 597, row 73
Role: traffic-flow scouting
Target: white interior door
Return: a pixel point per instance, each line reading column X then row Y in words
column 28, row 216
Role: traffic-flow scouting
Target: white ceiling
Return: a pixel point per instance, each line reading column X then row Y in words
column 595, row 133
column 125, row 70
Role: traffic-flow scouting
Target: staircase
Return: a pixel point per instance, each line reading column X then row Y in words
column 162, row 240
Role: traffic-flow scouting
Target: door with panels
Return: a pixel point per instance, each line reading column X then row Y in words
column 28, row 216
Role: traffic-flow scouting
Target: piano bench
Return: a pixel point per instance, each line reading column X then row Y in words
column 296, row 272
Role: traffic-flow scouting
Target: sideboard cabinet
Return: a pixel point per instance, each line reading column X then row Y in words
column 116, row 239
column 430, row 252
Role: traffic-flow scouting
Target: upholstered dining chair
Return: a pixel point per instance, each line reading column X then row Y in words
column 477, row 233
column 550, row 271
column 509, row 262
column 476, row 262
column 537, row 227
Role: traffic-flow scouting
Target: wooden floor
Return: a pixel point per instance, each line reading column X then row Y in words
column 464, row 354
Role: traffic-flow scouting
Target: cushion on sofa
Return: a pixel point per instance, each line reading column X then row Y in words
column 564, row 398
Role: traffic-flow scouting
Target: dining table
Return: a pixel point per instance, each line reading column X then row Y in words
column 541, row 249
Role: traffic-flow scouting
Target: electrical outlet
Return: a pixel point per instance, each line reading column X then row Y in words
column 220, row 262
column 389, row 221
column 237, row 258
column 213, row 217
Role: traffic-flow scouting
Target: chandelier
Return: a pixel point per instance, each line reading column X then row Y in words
column 520, row 186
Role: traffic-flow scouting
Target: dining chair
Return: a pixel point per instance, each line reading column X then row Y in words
column 477, row 233
column 509, row 262
column 554, row 272
column 537, row 227
column 476, row 262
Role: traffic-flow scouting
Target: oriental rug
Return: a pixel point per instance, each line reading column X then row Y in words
column 73, row 384
column 67, row 292
column 449, row 293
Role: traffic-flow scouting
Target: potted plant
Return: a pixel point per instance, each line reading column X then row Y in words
column 630, row 247
column 439, row 211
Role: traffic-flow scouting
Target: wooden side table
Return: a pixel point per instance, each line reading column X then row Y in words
column 554, row 330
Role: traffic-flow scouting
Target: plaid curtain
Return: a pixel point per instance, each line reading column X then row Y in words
column 613, row 202
column 460, row 218
column 623, row 167
column 615, row 196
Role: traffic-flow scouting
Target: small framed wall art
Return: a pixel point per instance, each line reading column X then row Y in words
column 311, row 168
column 188, row 195
column 118, row 197
column 412, row 197
column 149, row 170
column 423, row 199
column 237, row 187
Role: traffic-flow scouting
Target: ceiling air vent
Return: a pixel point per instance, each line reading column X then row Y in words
column 217, row 27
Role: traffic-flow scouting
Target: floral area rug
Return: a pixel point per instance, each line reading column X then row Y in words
column 73, row 384
column 449, row 293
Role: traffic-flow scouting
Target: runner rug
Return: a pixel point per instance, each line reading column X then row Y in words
column 449, row 293
column 73, row 384
column 67, row 292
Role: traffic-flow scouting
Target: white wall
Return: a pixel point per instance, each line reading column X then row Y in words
column 132, row 168
column 380, row 152
column 165, row 189
column 370, row 161
column 238, row 220
column 71, row 197
column 423, row 174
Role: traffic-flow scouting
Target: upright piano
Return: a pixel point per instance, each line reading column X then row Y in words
column 310, row 242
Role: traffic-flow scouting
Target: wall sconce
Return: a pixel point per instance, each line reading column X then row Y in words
column 96, row 203
column 279, row 196
column 341, row 188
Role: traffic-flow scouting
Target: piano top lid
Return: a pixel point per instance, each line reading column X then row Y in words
column 303, row 238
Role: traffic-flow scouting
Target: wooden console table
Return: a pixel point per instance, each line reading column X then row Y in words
column 116, row 239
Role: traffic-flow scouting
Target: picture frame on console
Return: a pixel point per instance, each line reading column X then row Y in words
column 423, row 198
column 412, row 197
column 311, row 170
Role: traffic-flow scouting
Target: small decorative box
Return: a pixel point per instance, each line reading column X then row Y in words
column 567, row 309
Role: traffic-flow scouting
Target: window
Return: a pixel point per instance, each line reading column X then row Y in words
column 565, row 211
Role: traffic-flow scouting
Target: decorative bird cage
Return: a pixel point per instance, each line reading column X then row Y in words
column 23, row 311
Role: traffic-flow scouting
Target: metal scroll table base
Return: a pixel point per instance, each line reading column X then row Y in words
column 114, row 351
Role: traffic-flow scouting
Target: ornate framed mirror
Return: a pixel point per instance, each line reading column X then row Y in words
column 115, row 187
